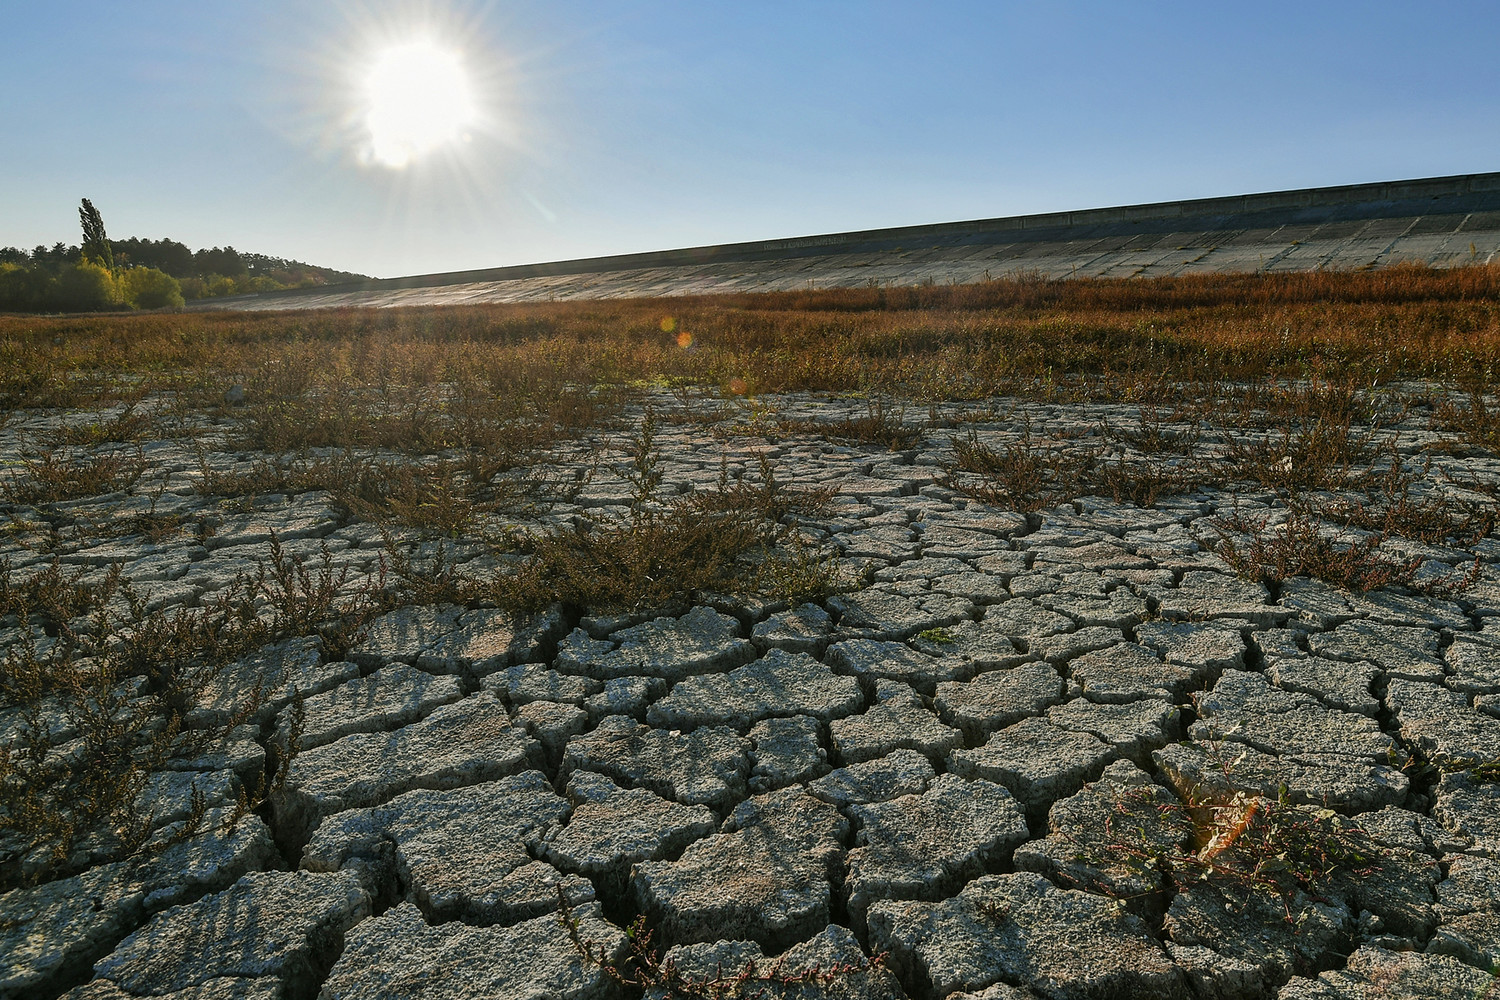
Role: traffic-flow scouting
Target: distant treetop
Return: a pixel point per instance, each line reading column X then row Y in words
column 96, row 246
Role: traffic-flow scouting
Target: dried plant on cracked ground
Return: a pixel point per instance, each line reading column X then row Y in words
column 1153, row 434
column 424, row 400
column 642, row 968
column 1436, row 519
column 127, row 427
column 1024, row 475
column 767, row 497
column 1302, row 544
column 446, row 497
column 56, row 476
column 1477, row 419
column 1141, row 483
column 740, row 537
column 1321, row 454
column 94, row 720
column 879, row 425
column 1244, row 846
column 1021, row 475
column 654, row 558
column 98, row 691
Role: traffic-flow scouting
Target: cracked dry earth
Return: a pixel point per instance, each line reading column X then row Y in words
column 960, row 765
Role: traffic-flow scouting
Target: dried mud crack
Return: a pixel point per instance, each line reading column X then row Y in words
column 1015, row 736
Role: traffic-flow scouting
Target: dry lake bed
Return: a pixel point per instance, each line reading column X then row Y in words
column 1075, row 751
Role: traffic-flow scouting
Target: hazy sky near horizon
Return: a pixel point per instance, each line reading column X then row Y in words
column 612, row 127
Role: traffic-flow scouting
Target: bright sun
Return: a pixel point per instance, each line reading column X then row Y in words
column 417, row 98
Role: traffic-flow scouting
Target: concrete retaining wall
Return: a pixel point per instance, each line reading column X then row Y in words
column 1440, row 221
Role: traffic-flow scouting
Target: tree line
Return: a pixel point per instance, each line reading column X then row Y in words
column 101, row 273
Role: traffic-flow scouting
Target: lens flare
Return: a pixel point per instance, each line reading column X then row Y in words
column 684, row 340
column 418, row 97
column 668, row 325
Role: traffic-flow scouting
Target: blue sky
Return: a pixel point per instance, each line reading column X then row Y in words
column 613, row 127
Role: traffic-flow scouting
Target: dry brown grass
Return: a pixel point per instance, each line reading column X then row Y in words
column 442, row 496
column 324, row 377
column 1305, row 545
column 55, row 476
column 878, row 425
column 1023, row 475
column 123, row 679
column 740, row 537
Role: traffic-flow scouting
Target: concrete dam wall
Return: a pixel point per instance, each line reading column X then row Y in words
column 1440, row 221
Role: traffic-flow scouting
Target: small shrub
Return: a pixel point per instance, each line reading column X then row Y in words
column 1152, row 436
column 178, row 650
column 877, row 426
column 769, row 498
column 1141, row 483
column 55, row 477
column 643, row 473
column 445, row 497
column 1478, row 422
column 646, row 560
column 1021, row 476
column 1320, row 455
column 1301, row 546
column 1437, row 520
column 153, row 525
column 315, row 600
column 435, row 580
column 50, row 597
column 727, row 540
column 53, row 797
column 797, row 573
column 127, row 427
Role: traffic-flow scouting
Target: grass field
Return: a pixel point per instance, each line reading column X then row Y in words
column 1094, row 339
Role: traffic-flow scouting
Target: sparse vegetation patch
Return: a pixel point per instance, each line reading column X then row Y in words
column 666, row 605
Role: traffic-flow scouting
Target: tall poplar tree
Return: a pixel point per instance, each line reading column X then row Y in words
column 95, row 242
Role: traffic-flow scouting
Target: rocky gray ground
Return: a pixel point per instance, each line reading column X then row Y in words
column 996, row 761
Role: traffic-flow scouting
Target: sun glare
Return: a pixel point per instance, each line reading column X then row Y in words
column 418, row 97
